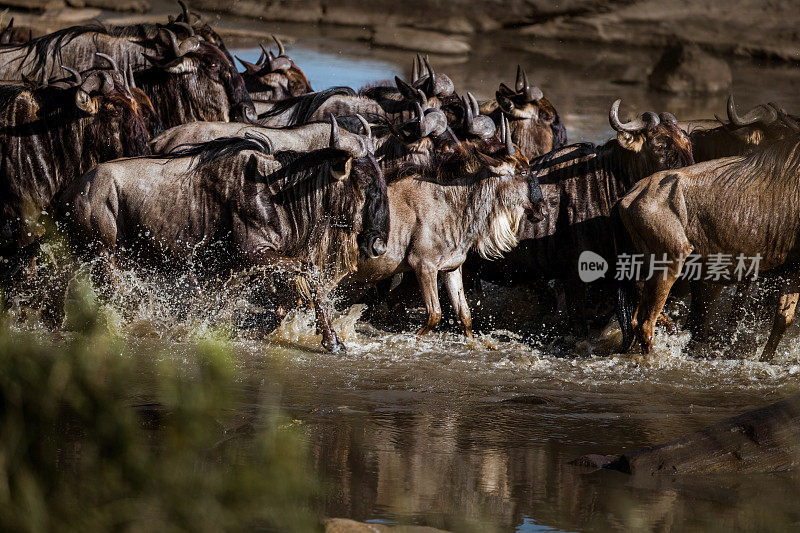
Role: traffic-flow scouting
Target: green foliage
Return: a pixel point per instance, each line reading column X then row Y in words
column 98, row 435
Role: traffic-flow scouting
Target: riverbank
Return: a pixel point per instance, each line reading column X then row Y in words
column 737, row 27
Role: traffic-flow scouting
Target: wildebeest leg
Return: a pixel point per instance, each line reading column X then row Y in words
column 627, row 298
column 454, row 284
column 654, row 296
column 427, row 278
column 784, row 315
column 704, row 295
column 272, row 259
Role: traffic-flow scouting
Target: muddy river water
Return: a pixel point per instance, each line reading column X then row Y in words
column 477, row 436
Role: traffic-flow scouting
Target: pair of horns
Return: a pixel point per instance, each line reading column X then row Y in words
column 505, row 135
column 524, row 87
column 432, row 123
column 477, row 124
column 348, row 144
column 423, row 76
column 416, row 69
column 646, row 121
column 179, row 50
column 267, row 60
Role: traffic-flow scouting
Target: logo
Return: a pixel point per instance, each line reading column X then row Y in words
column 591, row 266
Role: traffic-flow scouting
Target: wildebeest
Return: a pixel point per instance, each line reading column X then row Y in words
column 272, row 78
column 535, row 125
column 189, row 79
column 581, row 185
column 52, row 135
column 230, row 204
column 304, row 137
column 739, row 136
column 738, row 205
column 461, row 200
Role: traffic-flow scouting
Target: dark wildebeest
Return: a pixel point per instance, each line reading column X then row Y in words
column 229, row 204
column 186, row 80
column 272, row 78
column 739, row 136
column 392, row 103
column 52, row 135
column 535, row 125
column 464, row 199
column 737, row 205
column 581, row 185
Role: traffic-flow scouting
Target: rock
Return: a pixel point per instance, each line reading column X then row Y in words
column 344, row 525
column 34, row 5
column 418, row 40
column 686, row 69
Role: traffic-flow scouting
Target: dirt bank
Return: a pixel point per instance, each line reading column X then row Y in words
column 755, row 28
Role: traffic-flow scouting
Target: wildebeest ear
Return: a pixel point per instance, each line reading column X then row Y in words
column 85, row 102
column 504, row 101
column 488, row 160
column 340, row 168
column 408, row 92
column 630, row 141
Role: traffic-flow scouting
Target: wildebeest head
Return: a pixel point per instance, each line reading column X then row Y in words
column 206, row 72
column 427, row 88
column 742, row 134
column 275, row 77
column 473, row 125
column 656, row 138
column 359, row 166
column 537, row 128
column 194, row 24
column 117, row 125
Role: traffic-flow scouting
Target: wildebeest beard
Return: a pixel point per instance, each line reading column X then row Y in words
column 326, row 214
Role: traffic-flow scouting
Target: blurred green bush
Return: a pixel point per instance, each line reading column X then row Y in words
column 96, row 434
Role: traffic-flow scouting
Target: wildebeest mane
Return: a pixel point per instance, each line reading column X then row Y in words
column 40, row 49
column 778, row 163
column 306, row 104
column 322, row 211
column 205, row 153
column 9, row 92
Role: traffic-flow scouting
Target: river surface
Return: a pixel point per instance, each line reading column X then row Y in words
column 477, row 436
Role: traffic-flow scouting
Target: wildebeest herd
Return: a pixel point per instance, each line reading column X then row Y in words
column 146, row 145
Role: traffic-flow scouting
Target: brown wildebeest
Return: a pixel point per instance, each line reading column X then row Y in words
column 464, row 199
column 535, row 125
column 272, row 78
column 50, row 136
column 581, row 185
column 229, row 204
column 737, row 205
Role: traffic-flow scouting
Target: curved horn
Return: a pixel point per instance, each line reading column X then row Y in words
column 762, row 113
column 173, row 42
column 184, row 10
column 476, row 110
column 468, row 116
column 423, row 99
column 509, row 144
column 367, row 127
column 431, row 77
column 187, row 27
column 502, row 128
column 78, row 79
column 131, row 80
column 519, row 85
column 263, row 56
column 334, row 141
column 415, row 69
column 635, row 125
column 420, row 115
column 110, row 60
column 108, row 82
column 668, row 117
column 281, row 50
